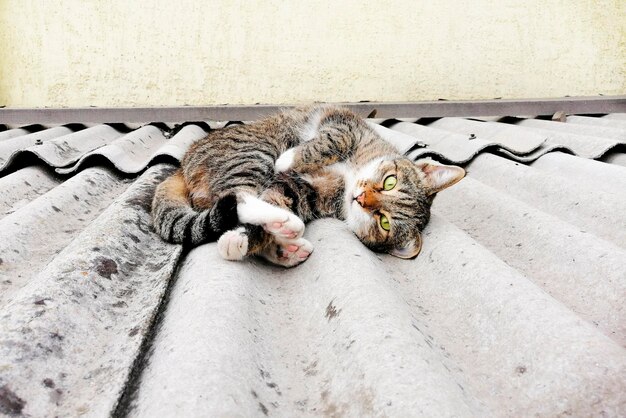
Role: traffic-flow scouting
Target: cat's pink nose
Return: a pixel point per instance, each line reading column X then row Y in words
column 361, row 199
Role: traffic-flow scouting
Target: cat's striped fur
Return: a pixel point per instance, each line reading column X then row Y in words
column 307, row 163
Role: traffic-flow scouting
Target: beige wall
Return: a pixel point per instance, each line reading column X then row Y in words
column 114, row 53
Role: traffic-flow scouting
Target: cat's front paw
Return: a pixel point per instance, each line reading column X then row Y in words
column 233, row 245
column 290, row 228
column 285, row 161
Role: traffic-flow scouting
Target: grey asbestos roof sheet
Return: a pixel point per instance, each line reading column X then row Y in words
column 515, row 306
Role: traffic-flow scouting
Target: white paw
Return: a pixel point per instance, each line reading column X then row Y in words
column 285, row 161
column 290, row 253
column 275, row 220
column 288, row 226
column 233, row 245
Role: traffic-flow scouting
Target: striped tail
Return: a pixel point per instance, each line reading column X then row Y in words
column 176, row 221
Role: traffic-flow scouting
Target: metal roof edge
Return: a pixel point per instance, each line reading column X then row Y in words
column 439, row 108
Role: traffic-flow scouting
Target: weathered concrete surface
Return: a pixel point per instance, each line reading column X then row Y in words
column 128, row 153
column 57, row 148
column 70, row 335
column 331, row 337
column 60, row 215
column 513, row 308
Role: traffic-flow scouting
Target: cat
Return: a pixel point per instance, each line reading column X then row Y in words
column 252, row 187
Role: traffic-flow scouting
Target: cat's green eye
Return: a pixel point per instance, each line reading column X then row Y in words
column 390, row 182
column 384, row 223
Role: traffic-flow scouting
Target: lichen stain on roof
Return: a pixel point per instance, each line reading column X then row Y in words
column 513, row 308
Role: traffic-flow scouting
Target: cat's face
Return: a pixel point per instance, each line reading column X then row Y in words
column 388, row 202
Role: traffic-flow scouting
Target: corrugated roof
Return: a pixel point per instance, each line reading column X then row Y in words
column 515, row 306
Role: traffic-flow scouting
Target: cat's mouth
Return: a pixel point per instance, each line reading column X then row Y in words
column 360, row 199
column 354, row 197
column 358, row 196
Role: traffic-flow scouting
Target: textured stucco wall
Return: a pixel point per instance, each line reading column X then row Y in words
column 110, row 53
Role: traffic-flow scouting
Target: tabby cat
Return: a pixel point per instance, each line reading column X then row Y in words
column 252, row 187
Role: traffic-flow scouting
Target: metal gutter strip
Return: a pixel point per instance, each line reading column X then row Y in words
column 595, row 104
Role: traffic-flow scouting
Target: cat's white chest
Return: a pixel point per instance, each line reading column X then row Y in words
column 348, row 173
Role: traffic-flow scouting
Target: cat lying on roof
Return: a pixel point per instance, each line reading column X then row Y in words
column 253, row 187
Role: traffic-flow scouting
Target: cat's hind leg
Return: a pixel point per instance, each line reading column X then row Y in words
column 276, row 220
column 246, row 240
column 287, row 253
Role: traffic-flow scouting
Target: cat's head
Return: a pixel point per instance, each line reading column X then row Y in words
column 388, row 202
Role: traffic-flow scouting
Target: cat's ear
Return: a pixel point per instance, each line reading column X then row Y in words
column 410, row 249
column 439, row 176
